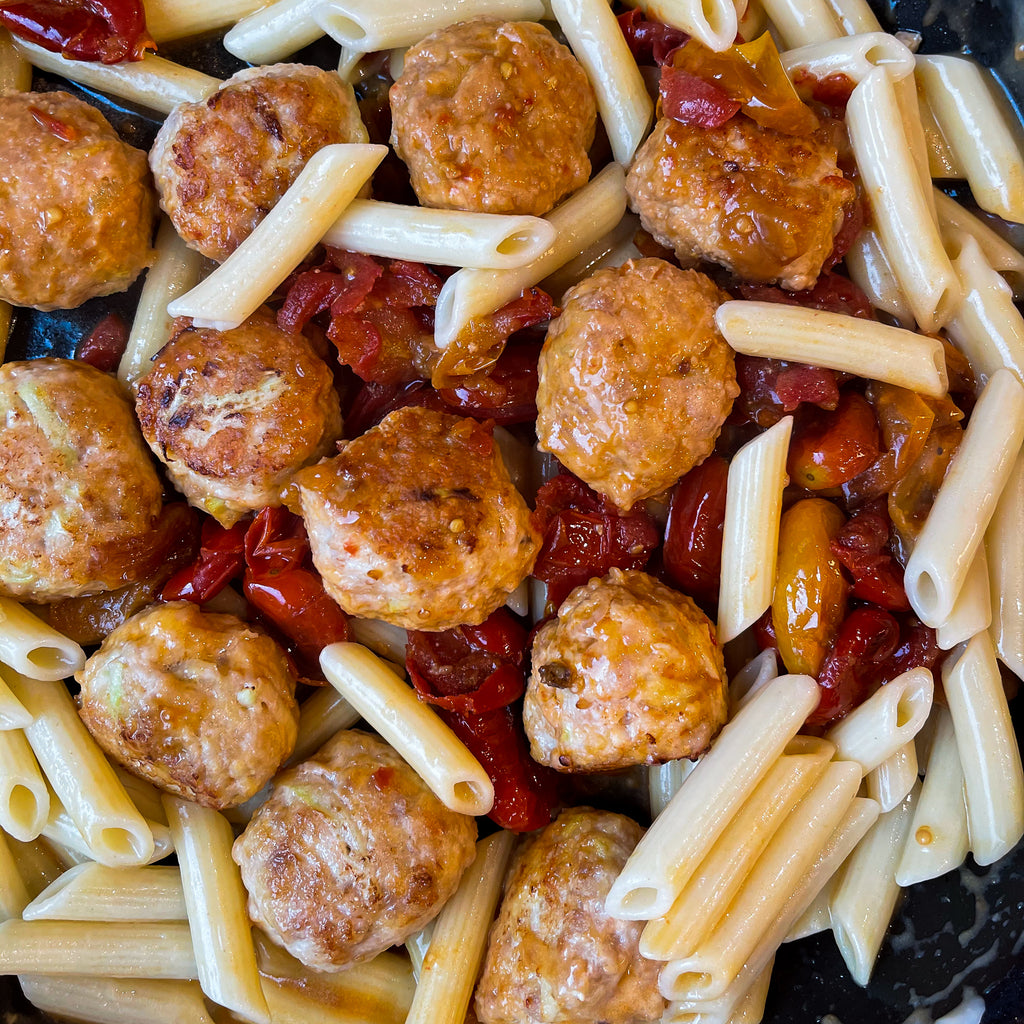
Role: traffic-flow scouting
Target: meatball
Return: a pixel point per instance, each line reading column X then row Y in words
column 80, row 497
column 222, row 164
column 76, row 203
column 233, row 414
column 765, row 205
column 635, row 379
column 199, row 704
column 351, row 854
column 417, row 523
column 493, row 118
column 628, row 673
column 553, row 954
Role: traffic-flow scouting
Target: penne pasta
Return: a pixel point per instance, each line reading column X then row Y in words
column 750, row 537
column 985, row 739
column 393, row 709
column 749, row 744
column 241, row 284
column 24, row 797
column 169, row 20
column 664, row 780
column 959, row 516
column 14, row 894
column 321, row 715
column 33, row 648
column 816, row 918
column 381, row 637
column 864, row 348
column 713, row 22
column 12, row 712
column 274, row 31
column 803, row 22
column 941, row 161
column 15, row 71
column 755, row 674
column 101, row 1000
column 39, row 863
column 998, row 253
column 869, row 269
column 1006, row 571
column 611, row 250
column 905, row 91
column 890, row 783
column 853, row 56
column 416, row 946
column 92, row 892
column 855, row 17
column 67, row 839
column 972, row 610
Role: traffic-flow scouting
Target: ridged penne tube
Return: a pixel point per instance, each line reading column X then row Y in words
column 33, row 648
column 865, row 348
column 381, row 637
column 215, row 901
column 39, row 863
column 12, row 712
column 81, row 776
column 889, row 718
column 865, row 893
column 586, row 216
column 976, row 131
column 894, row 778
column 937, row 841
column 713, row 22
column 143, row 794
column 709, row 891
column 745, row 749
column 942, row 163
column 1006, row 571
column 15, row 71
column 855, row 17
column 815, row 918
column 168, row 20
column 964, row 504
column 14, row 894
column 321, row 715
column 972, row 610
column 314, row 201
column 449, row 237
column 303, row 1003
column 999, row 254
column 750, row 538
column 803, row 22
column 24, row 797
column 852, row 56
column 394, row 710
column 456, row 950
column 664, row 780
column 622, row 99
column 749, row 1009
column 274, row 32
column 153, row 82
column 993, row 780
column 100, row 1000
column 119, row 949
column 869, row 269
column 611, row 250
column 92, row 892
column 714, row 965
column 905, row 90
column 416, row 946
column 901, row 209
column 987, row 325
column 756, row 673
column 370, row 25
column 175, row 271
column 67, row 839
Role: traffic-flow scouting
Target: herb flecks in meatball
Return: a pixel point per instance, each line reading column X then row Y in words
column 493, row 117
column 628, row 673
column 199, row 704
column 635, row 379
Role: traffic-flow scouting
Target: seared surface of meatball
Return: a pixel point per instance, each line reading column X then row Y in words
column 233, row 414
column 199, row 704
column 222, row 164
column 553, row 955
column 76, row 203
column 80, row 498
column 628, row 673
column 417, row 523
column 635, row 379
column 493, row 117
column 351, row 854
column 763, row 204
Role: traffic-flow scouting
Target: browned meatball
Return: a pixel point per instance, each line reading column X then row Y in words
column 763, row 204
column 222, row 164
column 553, row 955
column 351, row 854
column 76, row 203
column 628, row 673
column 493, row 117
column 199, row 704
column 233, row 414
column 635, row 379
column 80, row 499
column 417, row 523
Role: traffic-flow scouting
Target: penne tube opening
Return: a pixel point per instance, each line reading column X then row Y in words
column 51, row 662
column 25, row 811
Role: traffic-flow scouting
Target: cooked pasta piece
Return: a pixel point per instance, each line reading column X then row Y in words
column 14, row 894
column 664, row 780
column 274, row 31
column 381, row 637
column 750, row 538
column 39, row 863
column 1006, row 571
column 92, row 892
column 985, row 739
column 869, row 269
column 216, row 904
column 941, row 161
column 999, row 254
column 855, row 16
column 894, row 778
column 745, row 749
column 759, row 670
column 67, row 839
column 24, row 797
column 865, row 348
column 851, row 56
column 905, row 91
column 713, row 22
column 394, row 710
column 15, row 71
column 143, row 794
column 416, row 946
column 803, row 22
column 101, row 1000
column 959, row 516
column 972, row 610
column 815, row 918
column 321, row 715
column 33, row 648
column 243, row 282
column 12, row 712
column 168, row 20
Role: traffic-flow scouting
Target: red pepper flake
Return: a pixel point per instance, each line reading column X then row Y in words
column 54, row 125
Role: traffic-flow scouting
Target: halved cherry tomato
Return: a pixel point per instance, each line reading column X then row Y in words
column 829, row 448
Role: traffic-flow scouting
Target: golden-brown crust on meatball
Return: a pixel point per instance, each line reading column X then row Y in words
column 417, row 523
column 635, row 379
column 80, row 495
column 493, row 117
column 553, row 955
column 233, row 414
column 351, row 854
column 199, row 704
column 628, row 673
column 763, row 204
column 222, row 164
column 76, row 203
